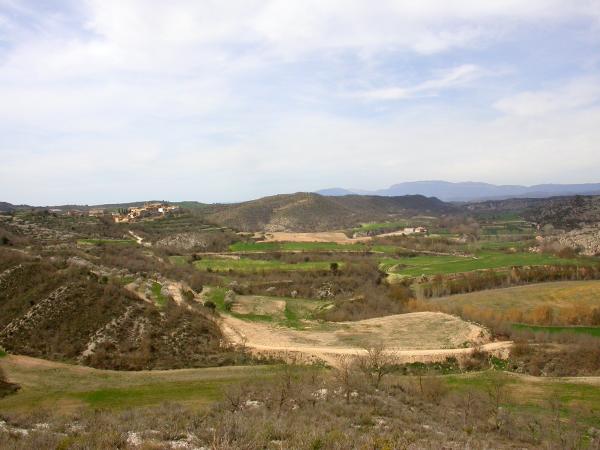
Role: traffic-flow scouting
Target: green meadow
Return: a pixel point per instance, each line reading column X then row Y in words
column 487, row 259
column 254, row 265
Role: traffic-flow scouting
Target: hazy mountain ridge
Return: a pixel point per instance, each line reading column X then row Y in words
column 472, row 191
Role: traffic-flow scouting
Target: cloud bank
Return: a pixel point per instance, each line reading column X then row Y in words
column 107, row 100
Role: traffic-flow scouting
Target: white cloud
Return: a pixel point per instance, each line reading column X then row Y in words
column 239, row 98
column 575, row 94
column 448, row 79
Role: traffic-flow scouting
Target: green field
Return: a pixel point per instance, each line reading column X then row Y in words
column 295, row 247
column 106, row 242
column 487, row 259
column 535, row 393
column 178, row 260
column 255, row 265
column 282, row 311
column 160, row 299
column 64, row 388
column 591, row 331
column 381, row 226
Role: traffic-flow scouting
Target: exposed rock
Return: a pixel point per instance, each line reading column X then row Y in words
column 587, row 240
column 185, row 241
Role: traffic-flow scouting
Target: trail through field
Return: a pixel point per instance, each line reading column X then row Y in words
column 139, row 239
column 411, row 337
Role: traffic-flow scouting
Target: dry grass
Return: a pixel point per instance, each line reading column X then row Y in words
column 327, row 236
column 558, row 295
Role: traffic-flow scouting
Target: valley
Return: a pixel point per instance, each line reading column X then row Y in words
column 189, row 307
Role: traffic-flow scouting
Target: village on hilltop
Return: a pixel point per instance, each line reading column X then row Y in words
column 132, row 214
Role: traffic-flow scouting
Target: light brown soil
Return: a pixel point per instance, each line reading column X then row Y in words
column 328, row 236
column 411, row 337
column 254, row 304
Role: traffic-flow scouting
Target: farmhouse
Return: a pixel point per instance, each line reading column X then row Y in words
column 96, row 212
column 415, row 230
column 149, row 210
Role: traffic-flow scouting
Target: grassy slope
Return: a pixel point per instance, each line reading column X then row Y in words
column 64, row 387
column 296, row 309
column 431, row 265
column 556, row 294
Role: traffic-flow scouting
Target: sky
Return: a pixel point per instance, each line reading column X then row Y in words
column 218, row 101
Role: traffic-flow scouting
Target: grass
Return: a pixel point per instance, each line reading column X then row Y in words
column 591, row 331
column 295, row 247
column 486, row 259
column 106, row 242
column 64, row 388
column 217, row 296
column 296, row 310
column 178, row 260
column 375, row 226
column 502, row 245
column 559, row 294
column 524, row 393
column 159, row 298
column 2, row 353
column 255, row 265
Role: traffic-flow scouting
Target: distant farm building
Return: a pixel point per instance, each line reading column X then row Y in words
column 149, row 210
column 96, row 212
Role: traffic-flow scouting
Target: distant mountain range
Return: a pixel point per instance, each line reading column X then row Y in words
column 471, row 191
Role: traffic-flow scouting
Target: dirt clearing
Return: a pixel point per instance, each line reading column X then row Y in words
column 329, row 236
column 416, row 336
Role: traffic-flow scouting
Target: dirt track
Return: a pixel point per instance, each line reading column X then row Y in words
column 425, row 337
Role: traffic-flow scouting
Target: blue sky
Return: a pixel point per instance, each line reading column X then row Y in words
column 113, row 100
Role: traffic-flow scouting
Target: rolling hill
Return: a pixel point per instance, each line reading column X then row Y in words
column 314, row 212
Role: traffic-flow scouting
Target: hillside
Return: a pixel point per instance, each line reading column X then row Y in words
column 63, row 311
column 313, row 212
column 562, row 212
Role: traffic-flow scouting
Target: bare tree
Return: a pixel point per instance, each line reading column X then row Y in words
column 376, row 363
column 345, row 375
column 497, row 395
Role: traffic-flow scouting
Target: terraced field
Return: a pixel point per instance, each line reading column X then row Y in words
column 525, row 298
column 487, row 259
column 255, row 265
column 590, row 331
column 295, row 247
column 106, row 242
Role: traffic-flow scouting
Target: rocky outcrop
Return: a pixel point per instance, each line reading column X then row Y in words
column 185, row 241
column 586, row 240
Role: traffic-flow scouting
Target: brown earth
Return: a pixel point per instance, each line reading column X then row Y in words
column 411, row 337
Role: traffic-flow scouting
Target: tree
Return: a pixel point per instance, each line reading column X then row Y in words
column 345, row 375
column 376, row 363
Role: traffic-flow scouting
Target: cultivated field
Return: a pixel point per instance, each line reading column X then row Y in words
column 560, row 303
column 432, row 265
column 329, row 236
column 254, row 265
column 558, row 295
